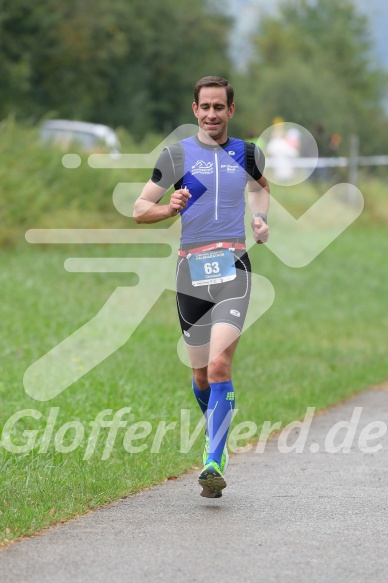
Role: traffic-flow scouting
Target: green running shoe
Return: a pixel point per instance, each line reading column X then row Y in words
column 212, row 481
column 224, row 459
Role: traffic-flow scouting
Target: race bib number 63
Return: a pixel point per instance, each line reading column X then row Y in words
column 212, row 267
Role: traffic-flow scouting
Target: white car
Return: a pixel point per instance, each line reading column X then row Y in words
column 89, row 137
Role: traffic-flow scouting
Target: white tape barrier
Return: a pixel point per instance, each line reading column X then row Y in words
column 340, row 162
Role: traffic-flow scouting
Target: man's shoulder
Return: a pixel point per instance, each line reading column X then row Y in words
column 171, row 152
column 251, row 146
column 177, row 147
column 247, row 146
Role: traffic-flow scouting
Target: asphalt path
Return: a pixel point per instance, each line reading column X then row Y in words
column 313, row 516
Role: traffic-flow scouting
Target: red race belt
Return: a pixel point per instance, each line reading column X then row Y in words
column 211, row 247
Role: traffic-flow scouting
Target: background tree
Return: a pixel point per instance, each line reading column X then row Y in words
column 312, row 64
column 120, row 63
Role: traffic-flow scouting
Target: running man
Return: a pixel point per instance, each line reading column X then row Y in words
column 209, row 172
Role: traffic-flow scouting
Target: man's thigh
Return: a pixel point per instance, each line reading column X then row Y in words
column 194, row 305
column 232, row 298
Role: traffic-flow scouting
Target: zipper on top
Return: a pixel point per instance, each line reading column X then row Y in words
column 217, row 185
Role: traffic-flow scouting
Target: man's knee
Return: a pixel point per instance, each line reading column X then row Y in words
column 201, row 378
column 219, row 369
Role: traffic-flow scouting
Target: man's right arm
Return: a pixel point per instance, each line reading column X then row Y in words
column 168, row 170
column 147, row 209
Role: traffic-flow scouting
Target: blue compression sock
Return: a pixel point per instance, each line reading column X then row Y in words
column 220, row 412
column 202, row 397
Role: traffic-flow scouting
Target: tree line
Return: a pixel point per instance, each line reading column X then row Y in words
column 133, row 64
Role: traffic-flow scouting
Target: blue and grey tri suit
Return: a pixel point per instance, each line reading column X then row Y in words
column 216, row 177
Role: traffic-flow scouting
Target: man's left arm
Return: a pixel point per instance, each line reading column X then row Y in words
column 258, row 202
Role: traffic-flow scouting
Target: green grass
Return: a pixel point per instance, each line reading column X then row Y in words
column 323, row 339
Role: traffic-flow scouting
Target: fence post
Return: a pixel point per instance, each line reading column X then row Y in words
column 353, row 164
column 353, row 159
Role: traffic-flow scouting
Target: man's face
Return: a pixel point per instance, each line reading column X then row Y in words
column 213, row 113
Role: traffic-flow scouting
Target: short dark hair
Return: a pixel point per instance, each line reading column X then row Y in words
column 211, row 81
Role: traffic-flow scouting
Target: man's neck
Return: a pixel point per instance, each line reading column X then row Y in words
column 208, row 141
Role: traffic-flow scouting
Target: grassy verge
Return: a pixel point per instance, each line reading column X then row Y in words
column 323, row 339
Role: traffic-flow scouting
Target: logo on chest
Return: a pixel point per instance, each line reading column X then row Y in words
column 201, row 167
column 230, row 168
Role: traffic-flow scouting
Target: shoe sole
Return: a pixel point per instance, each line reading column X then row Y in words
column 212, row 485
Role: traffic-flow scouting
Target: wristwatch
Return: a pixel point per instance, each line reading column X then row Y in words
column 263, row 216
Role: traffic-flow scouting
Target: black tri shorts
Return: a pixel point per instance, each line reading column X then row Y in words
column 199, row 308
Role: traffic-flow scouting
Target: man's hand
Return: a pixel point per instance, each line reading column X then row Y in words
column 179, row 200
column 260, row 230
